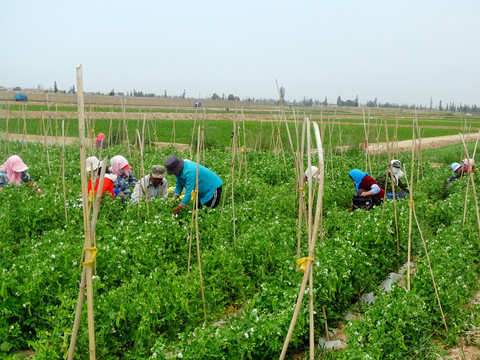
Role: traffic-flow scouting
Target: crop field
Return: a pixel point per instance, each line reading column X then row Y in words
column 147, row 301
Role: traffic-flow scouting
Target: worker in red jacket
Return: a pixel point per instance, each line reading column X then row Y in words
column 94, row 165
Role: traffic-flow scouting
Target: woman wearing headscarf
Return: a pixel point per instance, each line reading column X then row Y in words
column 14, row 171
column 385, row 181
column 125, row 178
column 95, row 167
column 365, row 185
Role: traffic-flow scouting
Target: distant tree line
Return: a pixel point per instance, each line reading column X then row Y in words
column 449, row 106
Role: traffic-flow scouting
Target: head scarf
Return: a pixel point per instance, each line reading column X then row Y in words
column 312, row 171
column 117, row 163
column 455, row 166
column 468, row 164
column 357, row 176
column 396, row 170
column 14, row 166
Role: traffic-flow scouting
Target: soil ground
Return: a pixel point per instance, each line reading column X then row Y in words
column 374, row 148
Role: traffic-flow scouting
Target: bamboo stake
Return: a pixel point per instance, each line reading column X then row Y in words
column 196, row 228
column 87, row 270
column 412, row 206
column 63, row 172
column 410, row 187
column 466, row 191
column 301, row 204
column 244, row 147
column 318, row 215
column 366, row 141
column 470, row 175
column 393, row 187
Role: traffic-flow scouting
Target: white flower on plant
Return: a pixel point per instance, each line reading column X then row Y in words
column 154, row 355
column 123, row 252
column 53, row 256
column 179, row 355
column 246, row 335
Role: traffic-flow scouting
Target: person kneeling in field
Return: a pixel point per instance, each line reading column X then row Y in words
column 365, row 187
column 125, row 177
column 152, row 185
column 14, row 171
column 385, row 181
column 94, row 166
column 209, row 183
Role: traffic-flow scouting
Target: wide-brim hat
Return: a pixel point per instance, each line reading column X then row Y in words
column 313, row 171
column 174, row 165
column 396, row 163
column 22, row 169
column 158, row 172
column 93, row 163
column 455, row 166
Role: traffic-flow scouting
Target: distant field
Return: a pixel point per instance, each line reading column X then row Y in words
column 343, row 125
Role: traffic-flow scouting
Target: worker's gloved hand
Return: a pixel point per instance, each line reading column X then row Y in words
column 177, row 209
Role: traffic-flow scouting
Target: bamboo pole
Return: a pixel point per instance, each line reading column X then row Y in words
column 393, row 187
column 366, row 141
column 309, row 262
column 195, row 204
column 466, row 191
column 411, row 207
column 63, row 172
column 87, row 270
column 470, row 175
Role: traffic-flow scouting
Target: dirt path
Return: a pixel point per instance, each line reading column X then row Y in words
column 374, row 148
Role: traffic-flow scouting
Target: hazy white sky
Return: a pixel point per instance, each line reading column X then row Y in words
column 398, row 51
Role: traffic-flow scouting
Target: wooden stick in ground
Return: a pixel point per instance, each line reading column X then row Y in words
column 88, row 242
column 393, row 186
column 196, row 227
column 470, row 175
column 466, row 191
column 63, row 171
column 366, row 141
column 410, row 188
column 309, row 262
column 412, row 206
column 326, row 325
column 301, row 204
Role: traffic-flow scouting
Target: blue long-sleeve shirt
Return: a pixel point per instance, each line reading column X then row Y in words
column 208, row 181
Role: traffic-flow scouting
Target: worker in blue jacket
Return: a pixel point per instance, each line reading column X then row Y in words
column 209, row 183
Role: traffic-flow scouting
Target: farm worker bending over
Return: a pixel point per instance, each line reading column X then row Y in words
column 385, row 181
column 100, row 140
column 312, row 171
column 152, row 185
column 14, row 171
column 125, row 177
column 95, row 166
column 460, row 169
column 365, row 185
column 209, row 184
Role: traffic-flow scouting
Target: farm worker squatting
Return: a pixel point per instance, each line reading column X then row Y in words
column 385, row 181
column 14, row 171
column 151, row 185
column 365, row 186
column 209, row 183
column 125, row 177
column 95, row 166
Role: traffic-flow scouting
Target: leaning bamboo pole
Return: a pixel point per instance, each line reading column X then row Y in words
column 195, row 204
column 466, row 191
column 470, row 175
column 412, row 206
column 89, row 251
column 310, row 258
